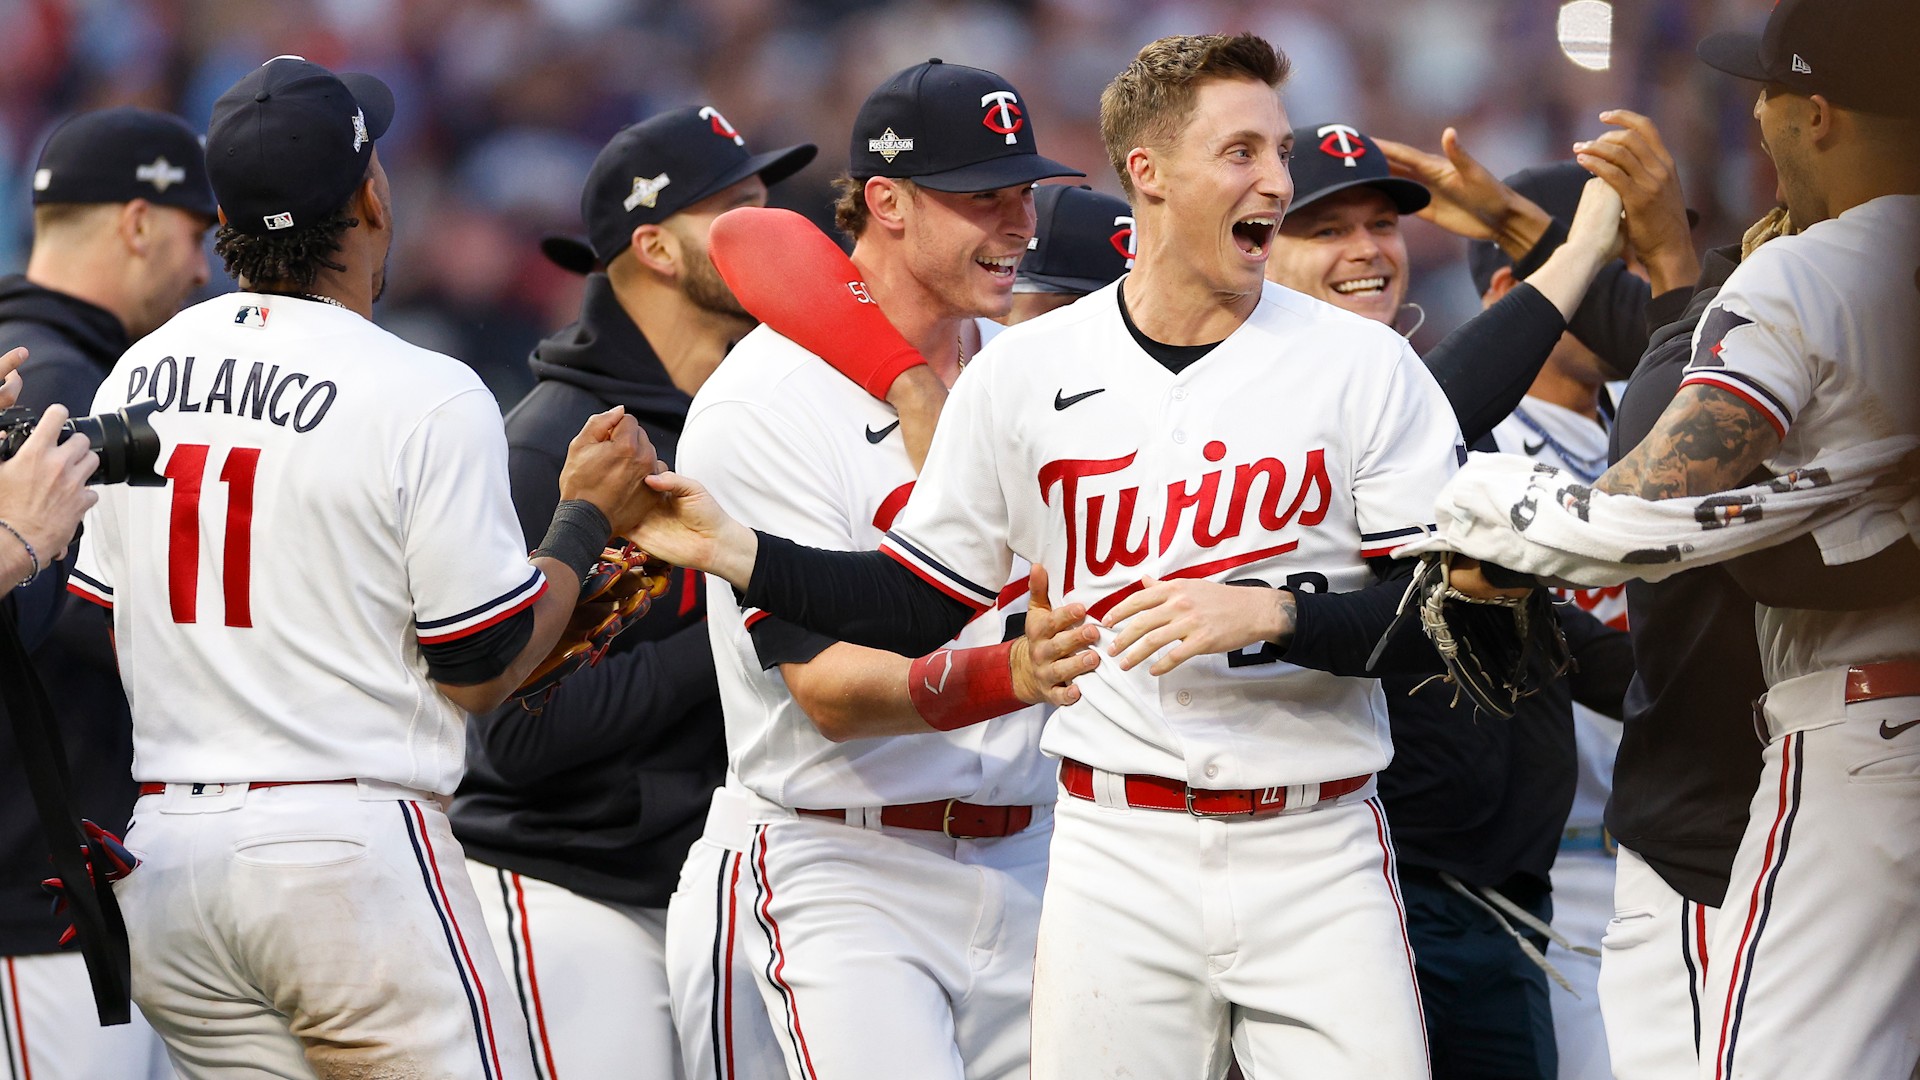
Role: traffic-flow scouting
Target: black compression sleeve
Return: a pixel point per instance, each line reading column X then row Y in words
column 777, row 641
column 859, row 596
column 474, row 659
column 1336, row 632
column 1612, row 316
column 1486, row 366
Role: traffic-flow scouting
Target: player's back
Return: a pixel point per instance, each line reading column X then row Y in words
column 267, row 601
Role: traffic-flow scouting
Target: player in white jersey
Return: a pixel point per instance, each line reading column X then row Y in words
column 894, row 857
column 1221, row 882
column 330, row 580
column 1810, row 347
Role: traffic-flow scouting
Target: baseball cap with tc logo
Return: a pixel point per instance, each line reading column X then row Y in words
column 291, row 141
column 1334, row 157
column 949, row 128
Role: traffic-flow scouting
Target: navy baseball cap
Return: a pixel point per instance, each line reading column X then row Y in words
column 119, row 155
column 1334, row 157
column 1083, row 242
column 1555, row 187
column 950, row 128
column 291, row 141
column 1858, row 53
column 654, row 169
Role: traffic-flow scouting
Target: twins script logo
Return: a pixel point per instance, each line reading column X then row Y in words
column 720, row 125
column 1123, row 240
column 1003, row 114
column 1098, row 540
column 1343, row 142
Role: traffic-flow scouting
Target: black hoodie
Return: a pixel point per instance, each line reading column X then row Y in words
column 602, row 792
column 72, row 346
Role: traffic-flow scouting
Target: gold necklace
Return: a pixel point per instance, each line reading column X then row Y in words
column 960, row 349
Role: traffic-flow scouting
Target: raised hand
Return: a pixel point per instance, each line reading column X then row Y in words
column 1634, row 160
column 1468, row 200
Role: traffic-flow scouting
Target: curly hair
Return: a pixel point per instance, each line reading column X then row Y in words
column 850, row 213
column 1149, row 101
column 293, row 257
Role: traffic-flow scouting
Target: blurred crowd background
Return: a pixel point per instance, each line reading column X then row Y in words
column 503, row 104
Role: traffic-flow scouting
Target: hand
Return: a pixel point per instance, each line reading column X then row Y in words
column 607, row 465
column 688, row 528
column 1465, row 575
column 1598, row 226
column 1196, row 617
column 1058, row 648
column 10, row 376
column 918, row 396
column 44, row 492
column 1633, row 159
column 1468, row 200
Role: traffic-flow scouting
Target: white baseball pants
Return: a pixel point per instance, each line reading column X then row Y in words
column 323, row 930
column 717, row 1009
column 1170, row 944
column 1583, row 889
column 589, row 978
column 49, row 1029
column 1653, row 964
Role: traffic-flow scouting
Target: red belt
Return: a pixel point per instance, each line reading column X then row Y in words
column 1894, row 678
column 161, row 789
column 1159, row 793
column 949, row 817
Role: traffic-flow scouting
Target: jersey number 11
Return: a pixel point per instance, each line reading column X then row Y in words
column 186, row 468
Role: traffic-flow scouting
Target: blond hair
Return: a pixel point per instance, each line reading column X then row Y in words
column 1147, row 103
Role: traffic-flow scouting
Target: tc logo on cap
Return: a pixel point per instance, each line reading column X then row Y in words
column 161, row 173
column 645, row 192
column 1003, row 114
column 1343, row 142
column 890, row 146
column 720, row 125
column 1123, row 240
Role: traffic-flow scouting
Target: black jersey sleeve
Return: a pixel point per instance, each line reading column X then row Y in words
column 863, row 597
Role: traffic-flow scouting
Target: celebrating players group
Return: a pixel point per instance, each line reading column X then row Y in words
column 1034, row 692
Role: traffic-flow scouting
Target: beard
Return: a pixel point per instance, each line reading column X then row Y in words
column 708, row 290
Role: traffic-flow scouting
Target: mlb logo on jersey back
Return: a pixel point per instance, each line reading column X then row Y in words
column 252, row 315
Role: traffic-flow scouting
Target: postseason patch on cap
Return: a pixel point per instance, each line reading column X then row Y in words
column 889, row 145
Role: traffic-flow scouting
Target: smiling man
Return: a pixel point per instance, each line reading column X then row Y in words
column 1191, row 455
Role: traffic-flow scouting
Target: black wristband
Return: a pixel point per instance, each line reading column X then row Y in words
column 577, row 536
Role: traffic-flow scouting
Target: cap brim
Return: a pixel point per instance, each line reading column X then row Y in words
column 374, row 99
column 998, row 173
column 1407, row 196
column 1054, row 283
column 570, row 254
column 771, row 167
column 1736, row 52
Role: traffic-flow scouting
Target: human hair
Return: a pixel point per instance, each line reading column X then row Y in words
column 292, row 256
column 850, row 213
column 1147, row 103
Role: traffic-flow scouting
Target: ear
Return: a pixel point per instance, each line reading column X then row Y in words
column 1819, row 118
column 1144, row 170
column 368, row 208
column 886, row 203
column 658, row 250
column 1502, row 284
column 136, row 226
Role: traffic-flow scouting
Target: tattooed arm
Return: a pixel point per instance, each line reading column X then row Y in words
column 1707, row 440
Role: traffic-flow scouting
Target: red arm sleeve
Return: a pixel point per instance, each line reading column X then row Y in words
column 791, row 276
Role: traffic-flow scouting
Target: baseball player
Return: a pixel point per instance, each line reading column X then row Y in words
column 329, row 582
column 121, row 207
column 577, row 815
column 1082, row 241
column 1221, row 883
column 884, row 883
column 1814, row 966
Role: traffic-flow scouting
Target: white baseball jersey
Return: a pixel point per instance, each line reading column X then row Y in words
column 1306, row 441
column 788, row 445
column 1819, row 333
column 335, row 497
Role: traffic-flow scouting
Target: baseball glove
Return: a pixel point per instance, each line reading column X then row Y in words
column 1497, row 650
column 615, row 594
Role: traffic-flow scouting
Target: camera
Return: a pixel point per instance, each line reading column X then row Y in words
column 123, row 440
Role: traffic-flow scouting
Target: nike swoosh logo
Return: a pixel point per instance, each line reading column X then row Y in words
column 1889, row 731
column 1060, row 402
column 1533, row 448
column 874, row 437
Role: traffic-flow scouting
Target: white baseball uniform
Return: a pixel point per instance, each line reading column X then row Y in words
column 337, row 499
column 49, row 1030
column 1583, row 873
column 878, row 950
column 1306, row 441
column 1816, row 959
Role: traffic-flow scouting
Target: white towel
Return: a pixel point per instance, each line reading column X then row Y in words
column 1506, row 509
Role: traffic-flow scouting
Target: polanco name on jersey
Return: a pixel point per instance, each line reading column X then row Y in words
column 1086, row 521
column 264, row 394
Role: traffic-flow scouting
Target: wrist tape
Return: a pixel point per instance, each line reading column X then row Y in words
column 578, row 535
column 952, row 688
